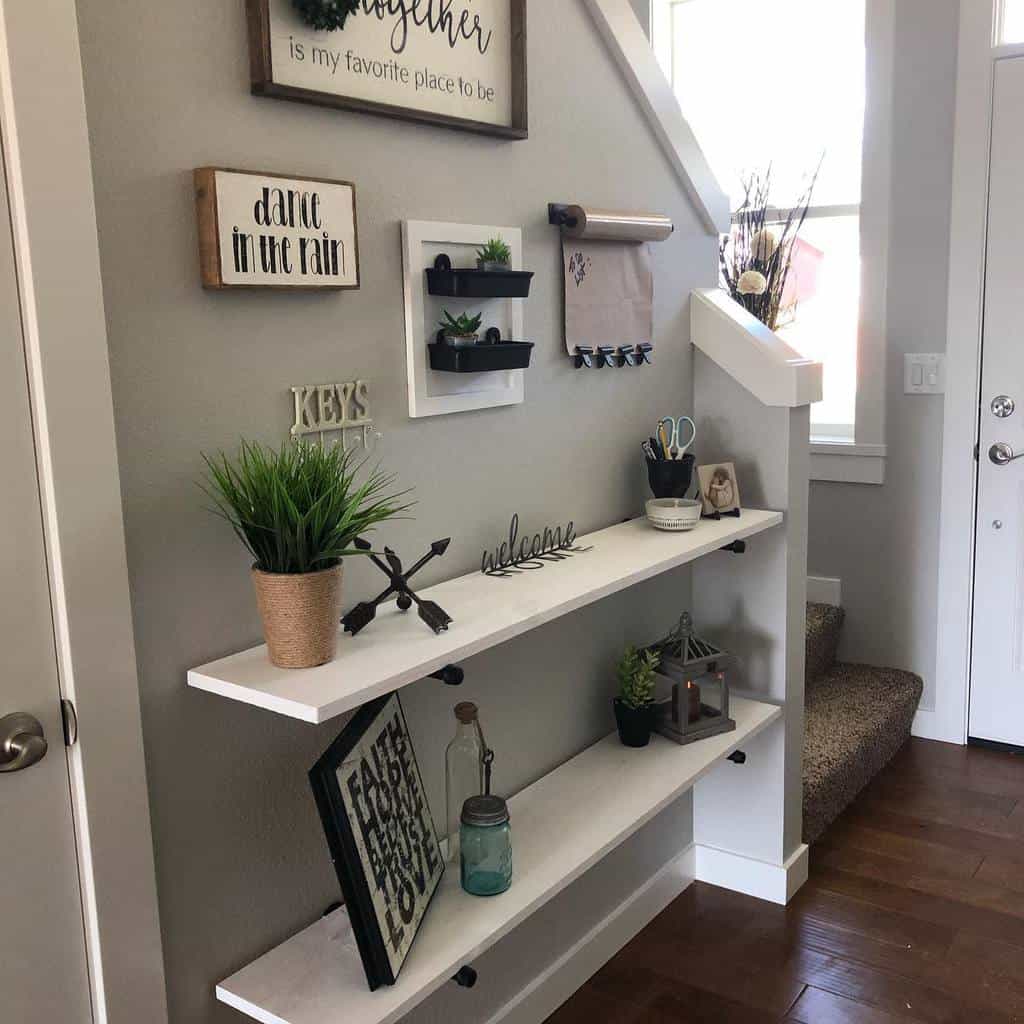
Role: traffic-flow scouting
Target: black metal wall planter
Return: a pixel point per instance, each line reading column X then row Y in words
column 455, row 282
column 609, row 355
column 491, row 354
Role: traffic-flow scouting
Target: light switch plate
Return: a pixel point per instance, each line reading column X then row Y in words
column 924, row 373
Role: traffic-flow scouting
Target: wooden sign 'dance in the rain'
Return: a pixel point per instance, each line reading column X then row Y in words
column 517, row 554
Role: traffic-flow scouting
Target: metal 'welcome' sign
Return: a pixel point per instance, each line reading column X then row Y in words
column 553, row 544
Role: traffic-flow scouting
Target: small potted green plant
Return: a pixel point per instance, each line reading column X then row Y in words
column 495, row 255
column 298, row 511
column 461, row 330
column 634, row 706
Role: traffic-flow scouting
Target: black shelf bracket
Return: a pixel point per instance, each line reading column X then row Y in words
column 450, row 675
column 737, row 547
column 465, row 976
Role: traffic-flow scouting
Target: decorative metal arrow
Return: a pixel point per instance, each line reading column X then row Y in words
column 429, row 611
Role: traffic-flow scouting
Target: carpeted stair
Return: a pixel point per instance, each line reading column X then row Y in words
column 856, row 718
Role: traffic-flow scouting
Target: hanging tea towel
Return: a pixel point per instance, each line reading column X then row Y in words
column 609, row 294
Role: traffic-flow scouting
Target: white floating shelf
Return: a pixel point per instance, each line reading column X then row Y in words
column 561, row 826
column 398, row 649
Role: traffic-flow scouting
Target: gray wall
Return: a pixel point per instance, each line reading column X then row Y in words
column 240, row 858
column 883, row 541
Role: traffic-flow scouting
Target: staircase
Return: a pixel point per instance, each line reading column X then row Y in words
column 856, row 718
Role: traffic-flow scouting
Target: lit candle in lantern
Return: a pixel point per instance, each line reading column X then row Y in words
column 693, row 701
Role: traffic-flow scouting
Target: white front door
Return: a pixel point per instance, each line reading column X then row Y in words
column 43, row 969
column 997, row 650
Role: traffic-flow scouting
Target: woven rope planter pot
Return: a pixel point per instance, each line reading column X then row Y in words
column 300, row 614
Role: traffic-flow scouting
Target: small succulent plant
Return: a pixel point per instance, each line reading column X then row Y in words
column 462, row 325
column 636, row 677
column 495, row 251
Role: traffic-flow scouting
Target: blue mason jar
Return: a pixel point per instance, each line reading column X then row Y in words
column 485, row 841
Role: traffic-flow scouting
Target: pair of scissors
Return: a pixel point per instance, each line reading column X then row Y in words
column 671, row 434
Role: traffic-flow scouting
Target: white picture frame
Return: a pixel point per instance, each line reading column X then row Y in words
column 437, row 393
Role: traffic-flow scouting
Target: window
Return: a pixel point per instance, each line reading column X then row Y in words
column 782, row 83
column 1012, row 28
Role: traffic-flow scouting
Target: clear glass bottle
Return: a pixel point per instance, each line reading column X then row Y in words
column 464, row 770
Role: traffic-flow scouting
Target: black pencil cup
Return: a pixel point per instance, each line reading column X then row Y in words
column 671, row 478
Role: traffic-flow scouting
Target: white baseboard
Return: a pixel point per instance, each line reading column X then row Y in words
column 930, row 725
column 583, row 960
column 825, row 590
column 777, row 883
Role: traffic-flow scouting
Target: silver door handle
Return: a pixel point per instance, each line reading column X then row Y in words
column 1002, row 454
column 22, row 743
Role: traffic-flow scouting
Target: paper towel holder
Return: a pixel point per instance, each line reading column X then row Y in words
column 560, row 217
column 577, row 221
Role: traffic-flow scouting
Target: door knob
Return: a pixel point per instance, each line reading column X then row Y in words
column 1001, row 453
column 22, row 743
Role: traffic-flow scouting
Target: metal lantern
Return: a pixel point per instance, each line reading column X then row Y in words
column 698, row 705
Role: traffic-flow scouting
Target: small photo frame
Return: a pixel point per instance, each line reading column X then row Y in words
column 381, row 834
column 719, row 488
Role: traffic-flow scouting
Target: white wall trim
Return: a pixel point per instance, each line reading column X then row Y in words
column 968, row 236
column 869, row 451
column 752, row 354
column 825, row 590
column 848, row 463
column 538, row 1000
column 49, row 180
column 631, row 49
column 777, row 883
column 928, row 725
column 875, row 225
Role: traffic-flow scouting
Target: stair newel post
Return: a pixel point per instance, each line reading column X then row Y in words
column 752, row 407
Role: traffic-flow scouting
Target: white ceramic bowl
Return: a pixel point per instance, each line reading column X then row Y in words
column 673, row 513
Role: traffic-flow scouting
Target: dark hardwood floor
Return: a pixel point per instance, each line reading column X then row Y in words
column 914, row 911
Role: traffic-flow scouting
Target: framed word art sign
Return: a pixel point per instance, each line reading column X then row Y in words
column 458, row 63
column 262, row 230
column 373, row 806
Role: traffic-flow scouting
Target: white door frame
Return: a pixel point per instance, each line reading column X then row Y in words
column 977, row 53
column 49, row 180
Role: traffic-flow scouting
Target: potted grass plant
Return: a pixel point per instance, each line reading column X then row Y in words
column 495, row 255
column 634, row 706
column 298, row 511
column 460, row 330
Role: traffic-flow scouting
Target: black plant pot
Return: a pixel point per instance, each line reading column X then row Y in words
column 635, row 724
column 671, row 478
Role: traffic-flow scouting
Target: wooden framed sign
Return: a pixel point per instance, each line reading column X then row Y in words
column 373, row 806
column 458, row 63
column 263, row 230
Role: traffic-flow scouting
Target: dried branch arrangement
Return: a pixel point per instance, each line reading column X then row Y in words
column 755, row 258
